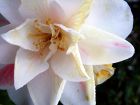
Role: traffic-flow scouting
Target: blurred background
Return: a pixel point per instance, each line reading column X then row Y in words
column 124, row 87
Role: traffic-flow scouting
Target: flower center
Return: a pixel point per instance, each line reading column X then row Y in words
column 48, row 35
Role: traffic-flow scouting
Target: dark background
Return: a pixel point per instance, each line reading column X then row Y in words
column 124, row 87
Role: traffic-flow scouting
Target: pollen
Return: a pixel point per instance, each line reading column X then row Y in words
column 42, row 38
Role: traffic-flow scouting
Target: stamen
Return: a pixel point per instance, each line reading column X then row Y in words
column 47, row 35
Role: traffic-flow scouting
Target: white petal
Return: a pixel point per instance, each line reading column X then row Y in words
column 21, row 35
column 7, row 53
column 114, row 16
column 103, row 73
column 56, row 12
column 71, row 65
column 82, row 93
column 34, row 9
column 46, row 88
column 100, row 47
column 28, row 65
column 68, row 67
column 20, row 96
column 9, row 9
column 70, row 7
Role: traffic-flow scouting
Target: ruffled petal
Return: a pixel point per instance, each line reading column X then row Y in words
column 7, row 76
column 82, row 93
column 100, row 47
column 46, row 88
column 28, row 65
column 113, row 16
column 9, row 9
column 20, row 96
column 22, row 35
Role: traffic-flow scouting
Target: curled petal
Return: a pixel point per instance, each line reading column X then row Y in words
column 22, row 35
column 100, row 47
column 113, row 16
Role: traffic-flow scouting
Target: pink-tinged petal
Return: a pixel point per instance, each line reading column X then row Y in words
column 100, row 47
column 114, row 16
column 9, row 9
column 7, row 76
column 56, row 12
column 20, row 96
column 46, row 88
column 82, row 93
column 27, row 66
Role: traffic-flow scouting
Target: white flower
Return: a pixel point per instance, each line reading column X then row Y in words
column 64, row 40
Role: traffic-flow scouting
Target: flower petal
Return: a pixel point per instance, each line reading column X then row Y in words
column 8, row 52
column 28, row 65
column 34, row 9
column 68, row 66
column 100, row 47
column 70, row 7
column 68, row 54
column 114, row 16
column 56, row 12
column 20, row 96
column 9, row 9
column 82, row 93
column 7, row 76
column 46, row 88
column 21, row 35
column 5, row 28
column 103, row 73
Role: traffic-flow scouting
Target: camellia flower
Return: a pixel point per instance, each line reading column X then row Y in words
column 62, row 48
